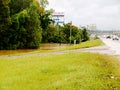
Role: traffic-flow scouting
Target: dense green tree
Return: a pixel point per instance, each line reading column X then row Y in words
column 75, row 33
column 25, row 30
column 17, row 6
column 18, row 30
column 5, row 22
column 49, row 34
column 85, row 35
column 23, row 23
column 61, row 34
column 46, row 20
column 33, row 27
column 66, row 31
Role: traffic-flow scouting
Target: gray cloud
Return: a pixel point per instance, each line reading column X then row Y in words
column 104, row 13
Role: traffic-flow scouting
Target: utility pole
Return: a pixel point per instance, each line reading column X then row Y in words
column 70, row 31
column 58, row 29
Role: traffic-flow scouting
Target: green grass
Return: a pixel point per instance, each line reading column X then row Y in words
column 53, row 48
column 88, row 44
column 71, row 71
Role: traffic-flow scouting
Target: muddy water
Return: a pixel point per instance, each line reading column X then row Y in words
column 52, row 46
column 9, row 52
column 42, row 47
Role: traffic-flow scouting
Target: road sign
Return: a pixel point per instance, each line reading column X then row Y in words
column 56, row 19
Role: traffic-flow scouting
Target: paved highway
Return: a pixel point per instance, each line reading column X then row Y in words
column 113, row 45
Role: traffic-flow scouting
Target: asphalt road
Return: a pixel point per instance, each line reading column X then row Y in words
column 114, row 45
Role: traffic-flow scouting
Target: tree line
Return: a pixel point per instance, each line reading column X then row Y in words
column 61, row 34
column 26, row 24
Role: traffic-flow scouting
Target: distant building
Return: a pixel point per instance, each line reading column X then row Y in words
column 91, row 27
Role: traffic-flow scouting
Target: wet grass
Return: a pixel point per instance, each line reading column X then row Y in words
column 52, row 47
column 87, row 44
column 71, row 71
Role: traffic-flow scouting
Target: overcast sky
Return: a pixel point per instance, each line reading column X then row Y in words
column 105, row 14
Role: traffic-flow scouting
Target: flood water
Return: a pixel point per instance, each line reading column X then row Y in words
column 52, row 46
column 42, row 47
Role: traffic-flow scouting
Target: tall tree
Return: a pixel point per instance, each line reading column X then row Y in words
column 17, row 6
column 46, row 19
column 26, row 27
column 75, row 33
column 25, row 31
column 5, row 20
column 33, row 27
column 85, row 35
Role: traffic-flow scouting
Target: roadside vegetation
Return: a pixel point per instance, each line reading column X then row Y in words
column 87, row 44
column 71, row 71
column 25, row 24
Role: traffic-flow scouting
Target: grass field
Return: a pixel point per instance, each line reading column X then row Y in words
column 53, row 47
column 87, row 44
column 71, row 71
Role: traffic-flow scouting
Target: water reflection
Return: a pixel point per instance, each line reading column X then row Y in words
column 42, row 47
column 52, row 46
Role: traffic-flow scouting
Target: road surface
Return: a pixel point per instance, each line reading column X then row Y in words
column 114, row 45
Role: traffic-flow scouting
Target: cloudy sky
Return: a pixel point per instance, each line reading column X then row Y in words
column 105, row 14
